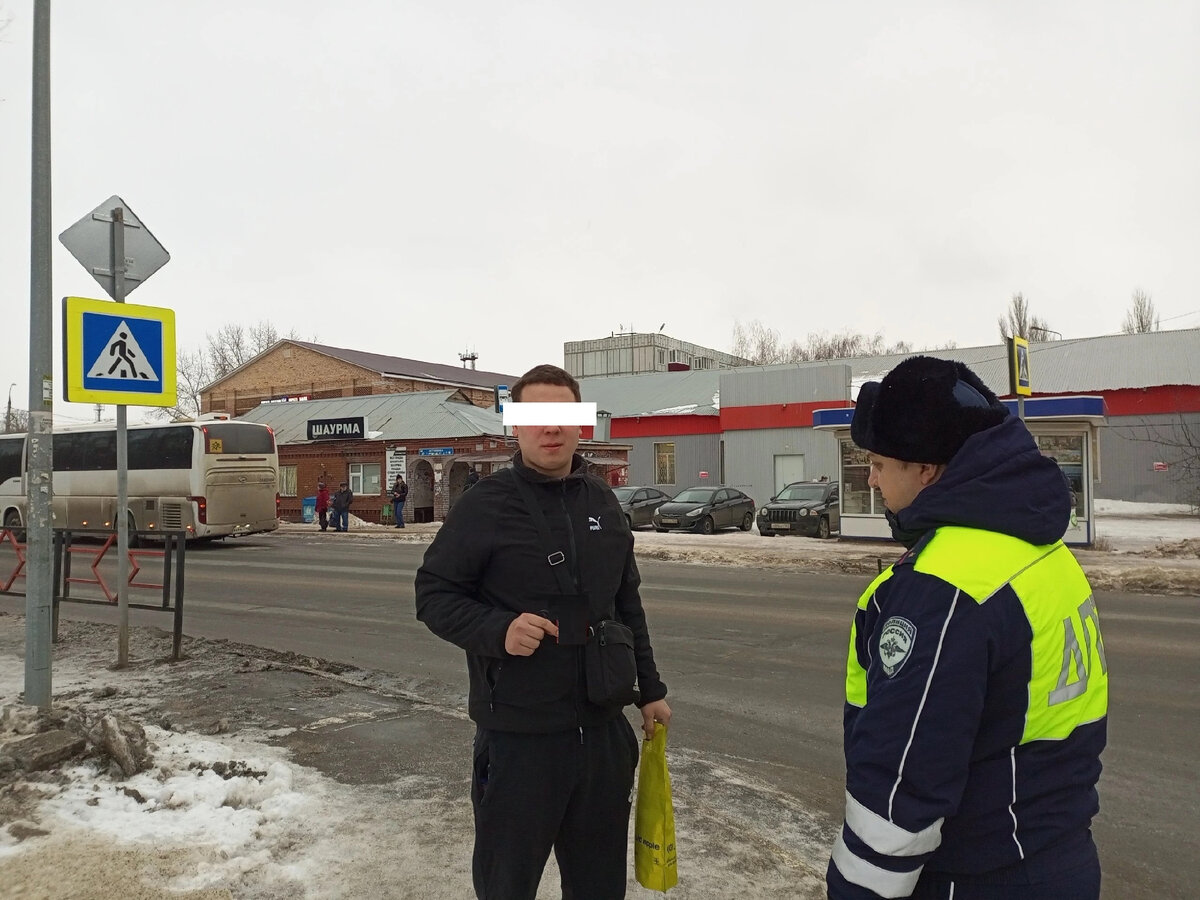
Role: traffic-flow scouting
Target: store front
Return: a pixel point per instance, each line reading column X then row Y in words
column 1065, row 429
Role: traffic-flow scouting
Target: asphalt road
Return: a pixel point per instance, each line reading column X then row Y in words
column 754, row 660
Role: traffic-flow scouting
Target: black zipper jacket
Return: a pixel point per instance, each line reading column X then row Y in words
column 488, row 564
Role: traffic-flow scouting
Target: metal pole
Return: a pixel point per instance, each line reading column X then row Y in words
column 118, row 273
column 39, row 480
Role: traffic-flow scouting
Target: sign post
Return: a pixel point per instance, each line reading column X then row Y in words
column 98, row 241
column 1019, row 382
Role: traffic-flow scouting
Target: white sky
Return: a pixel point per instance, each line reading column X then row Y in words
column 422, row 178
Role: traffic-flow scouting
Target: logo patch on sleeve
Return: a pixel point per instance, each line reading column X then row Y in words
column 896, row 640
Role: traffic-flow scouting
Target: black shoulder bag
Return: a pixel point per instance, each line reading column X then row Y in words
column 610, row 666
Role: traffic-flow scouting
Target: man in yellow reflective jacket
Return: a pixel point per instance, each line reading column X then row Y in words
column 976, row 684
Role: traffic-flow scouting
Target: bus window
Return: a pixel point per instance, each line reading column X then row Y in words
column 238, row 438
column 160, row 448
column 10, row 457
column 85, row 451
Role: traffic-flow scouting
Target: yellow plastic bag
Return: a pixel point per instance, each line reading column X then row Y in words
column 654, row 825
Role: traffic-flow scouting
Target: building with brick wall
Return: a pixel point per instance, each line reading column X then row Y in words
column 432, row 438
column 300, row 370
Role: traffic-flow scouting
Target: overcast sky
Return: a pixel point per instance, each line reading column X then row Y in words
column 419, row 179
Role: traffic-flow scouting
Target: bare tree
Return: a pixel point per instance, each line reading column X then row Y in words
column 231, row 346
column 764, row 346
column 234, row 345
column 192, row 376
column 1142, row 317
column 1179, row 444
column 1018, row 321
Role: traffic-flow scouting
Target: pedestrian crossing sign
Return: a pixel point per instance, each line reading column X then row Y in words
column 118, row 353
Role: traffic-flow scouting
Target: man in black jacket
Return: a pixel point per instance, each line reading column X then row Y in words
column 551, row 769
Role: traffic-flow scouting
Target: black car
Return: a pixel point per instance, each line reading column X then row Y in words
column 704, row 510
column 639, row 504
column 809, row 508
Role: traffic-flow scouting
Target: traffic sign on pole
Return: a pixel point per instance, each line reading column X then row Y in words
column 90, row 241
column 118, row 353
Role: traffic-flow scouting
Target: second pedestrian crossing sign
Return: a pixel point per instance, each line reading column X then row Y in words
column 118, row 353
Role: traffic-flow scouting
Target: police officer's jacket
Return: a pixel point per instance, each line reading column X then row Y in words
column 488, row 564
column 976, row 685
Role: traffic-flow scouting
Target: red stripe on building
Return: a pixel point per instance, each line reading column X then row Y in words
column 775, row 415
column 664, row 426
column 1161, row 400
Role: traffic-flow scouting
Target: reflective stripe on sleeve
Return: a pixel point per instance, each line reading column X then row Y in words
column 872, row 877
column 887, row 837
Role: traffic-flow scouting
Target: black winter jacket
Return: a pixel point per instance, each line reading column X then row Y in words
column 488, row 565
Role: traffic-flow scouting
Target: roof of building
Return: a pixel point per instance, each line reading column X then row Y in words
column 413, row 368
column 1078, row 365
column 392, row 366
column 1074, row 366
column 426, row 415
column 691, row 393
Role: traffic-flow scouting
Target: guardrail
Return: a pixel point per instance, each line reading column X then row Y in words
column 95, row 548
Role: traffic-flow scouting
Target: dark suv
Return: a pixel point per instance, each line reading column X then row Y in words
column 809, row 508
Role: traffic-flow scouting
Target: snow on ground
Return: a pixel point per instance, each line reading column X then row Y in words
column 231, row 815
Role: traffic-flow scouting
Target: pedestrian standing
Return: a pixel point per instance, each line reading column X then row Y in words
column 977, row 685
column 399, row 496
column 552, row 767
column 341, row 507
column 322, row 505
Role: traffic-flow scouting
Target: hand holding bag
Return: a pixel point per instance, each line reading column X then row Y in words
column 654, row 857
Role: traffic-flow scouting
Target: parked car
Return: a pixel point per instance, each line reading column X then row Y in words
column 809, row 508
column 639, row 504
column 704, row 510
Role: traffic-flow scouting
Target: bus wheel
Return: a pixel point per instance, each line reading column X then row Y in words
column 134, row 543
column 12, row 520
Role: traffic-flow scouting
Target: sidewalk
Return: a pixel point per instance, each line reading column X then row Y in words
column 276, row 776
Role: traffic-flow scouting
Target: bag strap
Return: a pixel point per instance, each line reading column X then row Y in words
column 555, row 558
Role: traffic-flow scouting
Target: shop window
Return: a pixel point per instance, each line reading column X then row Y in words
column 1067, row 451
column 364, row 479
column 287, row 481
column 664, row 463
column 858, row 497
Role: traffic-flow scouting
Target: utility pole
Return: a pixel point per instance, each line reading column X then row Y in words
column 39, row 480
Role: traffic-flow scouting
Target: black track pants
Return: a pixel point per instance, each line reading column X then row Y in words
column 569, row 791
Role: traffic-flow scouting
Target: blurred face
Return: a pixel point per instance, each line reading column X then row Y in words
column 898, row 481
column 547, row 448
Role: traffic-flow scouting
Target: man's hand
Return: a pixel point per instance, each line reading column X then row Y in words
column 658, row 711
column 525, row 634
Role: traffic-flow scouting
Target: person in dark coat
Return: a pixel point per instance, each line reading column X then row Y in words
column 399, row 496
column 552, row 770
column 977, row 684
column 341, row 507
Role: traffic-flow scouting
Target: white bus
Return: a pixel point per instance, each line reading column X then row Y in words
column 210, row 478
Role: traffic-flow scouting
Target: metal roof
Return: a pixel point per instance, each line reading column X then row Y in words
column 412, row 368
column 692, row 393
column 1074, row 366
column 394, row 366
column 427, row 415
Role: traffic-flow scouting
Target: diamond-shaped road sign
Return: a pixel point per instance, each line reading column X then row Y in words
column 90, row 242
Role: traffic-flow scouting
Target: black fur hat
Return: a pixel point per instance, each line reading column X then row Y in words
column 923, row 411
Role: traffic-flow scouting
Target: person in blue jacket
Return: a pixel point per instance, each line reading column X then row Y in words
column 976, row 685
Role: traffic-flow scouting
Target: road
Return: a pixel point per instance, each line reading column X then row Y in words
column 754, row 660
